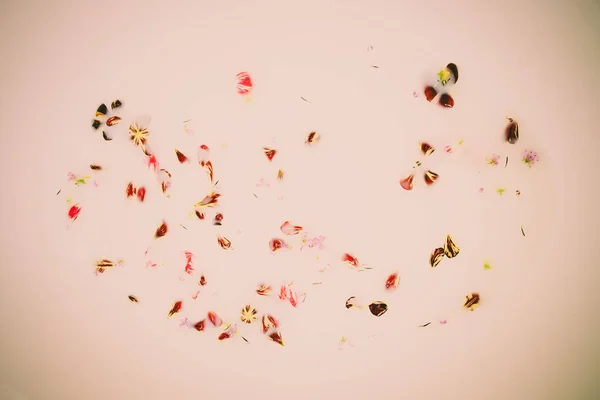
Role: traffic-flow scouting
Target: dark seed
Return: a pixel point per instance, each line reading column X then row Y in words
column 96, row 124
column 116, row 104
column 512, row 131
column 454, row 69
column 378, row 308
column 430, row 93
column 446, row 100
column 102, row 110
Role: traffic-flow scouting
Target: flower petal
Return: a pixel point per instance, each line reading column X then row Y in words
column 289, row 229
column 436, row 257
column 451, row 250
column 407, row 183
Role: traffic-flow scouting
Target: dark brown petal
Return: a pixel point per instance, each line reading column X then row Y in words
column 96, row 124
column 276, row 337
column 161, row 230
column 102, row 110
column 451, row 250
column 95, row 167
column 430, row 177
column 312, row 138
column 116, row 104
column 132, row 298
column 430, row 93
column 180, row 156
column 436, row 257
column 378, row 308
column 472, row 301
column 351, row 302
column 426, row 148
column 512, row 131
column 199, row 326
column 199, row 214
column 106, row 137
column 454, row 69
column 446, row 100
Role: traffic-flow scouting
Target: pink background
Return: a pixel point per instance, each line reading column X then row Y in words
column 67, row 334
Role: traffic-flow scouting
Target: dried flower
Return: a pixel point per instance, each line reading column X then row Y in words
column 248, row 314
column 493, row 160
column 138, row 135
column 132, row 298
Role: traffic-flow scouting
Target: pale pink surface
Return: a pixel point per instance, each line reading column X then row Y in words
column 67, row 334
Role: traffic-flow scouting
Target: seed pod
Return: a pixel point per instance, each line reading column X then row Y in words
column 430, row 93
column 378, row 308
column 454, row 70
column 436, row 257
column 472, row 301
column 450, row 249
column 430, row 177
column 512, row 131
column 446, row 100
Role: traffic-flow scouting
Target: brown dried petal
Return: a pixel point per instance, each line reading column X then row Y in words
column 451, row 250
column 224, row 242
column 132, row 298
column 430, row 177
column 210, row 200
column 312, row 138
column 378, row 308
column 426, row 148
column 276, row 337
column 180, row 156
column 161, row 231
column 472, row 301
column 199, row 326
column 446, row 100
column 512, row 131
column 436, row 257
column 199, row 214
column 430, row 93
column 269, row 322
column 351, row 303
column 106, row 137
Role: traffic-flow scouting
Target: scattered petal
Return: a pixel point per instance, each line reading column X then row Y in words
column 487, row 266
column 106, row 137
column 426, row 148
column 209, row 170
column 248, row 314
column 378, row 308
column 202, row 281
column 430, row 177
column 164, row 179
column 312, row 138
column 161, row 231
column 199, row 214
column 446, row 100
column 280, row 174
column 203, row 153
column 276, row 337
column 199, row 326
column 180, row 156
column 451, row 250
column 296, row 298
column 138, row 135
column 269, row 322
column 152, row 162
column 512, row 131
column 436, row 257
column 277, row 244
column 443, row 322
column 116, row 104
column 210, row 200
column 530, row 157
column 518, row 193
column 141, row 193
column 472, row 301
column 424, row 325
column 270, row 153
column 289, row 229
column 96, row 124
column 283, row 292
column 522, row 231
column 392, row 281
column 224, row 242
column 227, row 333
column 114, row 120
column 218, row 219
column 214, row 319
column 430, row 93
column 500, row 191
column 493, row 160
column 175, row 309
column 407, row 183
column 102, row 110
column 263, row 290
column 244, row 83
column 104, row 264
column 133, row 299
column 350, row 259
column 74, row 211
column 351, row 303
column 95, row 167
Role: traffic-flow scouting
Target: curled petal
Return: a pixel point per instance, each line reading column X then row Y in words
column 203, row 153
column 378, row 308
column 512, row 131
column 218, row 219
column 209, row 170
column 263, row 290
column 453, row 70
column 350, row 259
column 180, row 156
column 114, row 120
column 276, row 337
column 426, row 148
column 407, row 183
column 199, row 326
column 224, row 242
column 430, row 93
column 436, row 257
column 270, row 153
column 116, row 104
column 451, row 250
column 276, row 244
column 161, row 230
column 175, row 308
column 130, row 190
column 289, row 229
column 164, row 179
column 106, row 137
column 392, row 281
column 152, row 162
column 269, row 322
column 351, row 303
column 472, row 301
column 430, row 177
column 283, row 292
column 141, row 193
column 312, row 138
column 214, row 319
column 210, row 200
column 296, row 298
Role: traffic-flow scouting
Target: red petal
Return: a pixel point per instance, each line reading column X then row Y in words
column 392, row 282
column 283, row 292
column 276, row 244
column 131, row 190
column 407, row 183
column 199, row 326
column 141, row 193
column 350, row 260
column 214, row 319
column 74, row 211
column 270, row 153
column 176, row 308
column 289, row 229
column 430, row 93
column 180, row 156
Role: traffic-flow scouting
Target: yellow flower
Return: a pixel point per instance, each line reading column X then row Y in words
column 248, row 314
